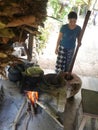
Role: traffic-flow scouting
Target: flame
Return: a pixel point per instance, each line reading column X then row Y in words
column 32, row 96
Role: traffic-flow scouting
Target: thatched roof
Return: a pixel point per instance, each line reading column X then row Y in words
column 17, row 15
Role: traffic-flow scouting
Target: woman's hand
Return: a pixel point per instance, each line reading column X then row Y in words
column 56, row 51
column 58, row 43
column 79, row 44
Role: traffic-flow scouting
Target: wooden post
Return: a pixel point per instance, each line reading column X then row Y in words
column 27, row 52
column 83, row 122
column 30, row 46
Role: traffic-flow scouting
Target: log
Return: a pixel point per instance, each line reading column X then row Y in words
column 18, row 115
column 50, row 112
column 26, row 20
column 30, row 31
column 10, row 11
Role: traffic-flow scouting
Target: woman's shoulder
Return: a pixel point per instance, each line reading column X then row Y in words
column 64, row 26
column 79, row 27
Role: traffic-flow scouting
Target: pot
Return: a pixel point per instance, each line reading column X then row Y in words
column 14, row 74
column 53, row 80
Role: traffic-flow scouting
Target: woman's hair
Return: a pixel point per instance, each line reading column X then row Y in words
column 72, row 15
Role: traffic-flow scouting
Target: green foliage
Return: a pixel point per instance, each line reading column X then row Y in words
column 59, row 10
column 41, row 40
column 55, row 6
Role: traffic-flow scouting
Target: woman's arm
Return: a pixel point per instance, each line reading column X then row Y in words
column 58, row 42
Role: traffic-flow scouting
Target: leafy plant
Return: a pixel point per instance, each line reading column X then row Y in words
column 41, row 40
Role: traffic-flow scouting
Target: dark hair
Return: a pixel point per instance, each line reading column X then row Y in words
column 72, row 14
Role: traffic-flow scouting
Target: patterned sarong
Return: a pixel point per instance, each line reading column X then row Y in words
column 63, row 59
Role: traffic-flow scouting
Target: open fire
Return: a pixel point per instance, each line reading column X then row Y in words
column 32, row 96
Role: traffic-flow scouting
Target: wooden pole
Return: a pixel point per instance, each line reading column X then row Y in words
column 30, row 46
column 18, row 115
column 80, row 39
column 50, row 112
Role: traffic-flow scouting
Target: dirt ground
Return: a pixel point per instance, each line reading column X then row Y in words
column 86, row 63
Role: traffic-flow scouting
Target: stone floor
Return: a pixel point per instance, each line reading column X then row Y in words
column 13, row 100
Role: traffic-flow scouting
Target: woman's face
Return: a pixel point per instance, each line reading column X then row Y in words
column 72, row 22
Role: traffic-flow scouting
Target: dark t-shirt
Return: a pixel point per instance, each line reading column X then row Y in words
column 69, row 36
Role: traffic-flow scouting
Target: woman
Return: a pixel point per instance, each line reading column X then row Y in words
column 66, row 43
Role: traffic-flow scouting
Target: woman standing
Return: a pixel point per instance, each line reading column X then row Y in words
column 66, row 43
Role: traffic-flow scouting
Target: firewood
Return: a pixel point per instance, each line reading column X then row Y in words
column 49, row 112
column 21, row 21
column 10, row 11
column 30, row 31
column 18, row 115
column 1, row 95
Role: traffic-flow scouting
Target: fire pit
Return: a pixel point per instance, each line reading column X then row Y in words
column 52, row 95
column 34, row 99
column 30, row 105
column 52, row 91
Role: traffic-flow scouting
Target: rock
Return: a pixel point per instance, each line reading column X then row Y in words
column 73, row 84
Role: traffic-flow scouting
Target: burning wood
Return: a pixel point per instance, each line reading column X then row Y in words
column 29, row 113
column 31, row 102
column 33, row 97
